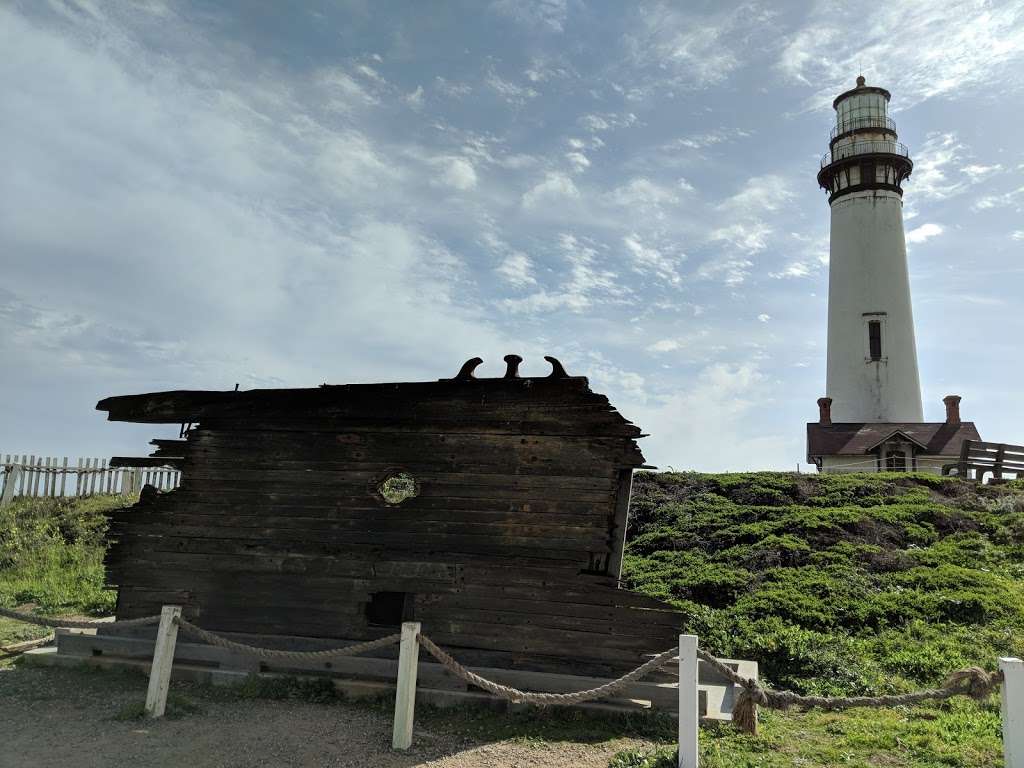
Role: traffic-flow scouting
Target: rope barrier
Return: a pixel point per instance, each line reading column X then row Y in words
column 273, row 653
column 972, row 681
column 514, row 694
column 46, row 621
column 6, row 651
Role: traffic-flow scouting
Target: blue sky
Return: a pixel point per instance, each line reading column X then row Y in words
column 199, row 194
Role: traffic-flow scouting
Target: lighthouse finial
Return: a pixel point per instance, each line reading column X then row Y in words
column 860, row 81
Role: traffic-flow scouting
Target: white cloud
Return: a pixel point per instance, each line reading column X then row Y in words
column 924, row 232
column 647, row 260
column 1003, row 200
column 941, row 49
column 451, row 89
column 764, row 318
column 457, row 172
column 721, row 404
column 598, row 123
column 978, row 172
column 587, row 283
column 751, row 237
column 932, row 161
column 415, row 98
column 555, row 188
column 641, row 192
column 516, row 95
column 673, row 48
column 539, row 14
column 578, row 160
column 1017, row 234
column 517, row 269
column 664, row 345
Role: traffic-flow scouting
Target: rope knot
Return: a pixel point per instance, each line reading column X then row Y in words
column 744, row 710
column 974, row 682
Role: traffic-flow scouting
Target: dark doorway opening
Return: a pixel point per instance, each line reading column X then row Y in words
column 389, row 609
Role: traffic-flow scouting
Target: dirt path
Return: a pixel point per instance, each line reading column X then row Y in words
column 71, row 717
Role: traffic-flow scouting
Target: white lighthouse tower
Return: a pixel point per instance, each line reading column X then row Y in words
column 872, row 419
column 872, row 357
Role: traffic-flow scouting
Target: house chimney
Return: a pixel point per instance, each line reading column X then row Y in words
column 952, row 408
column 825, row 410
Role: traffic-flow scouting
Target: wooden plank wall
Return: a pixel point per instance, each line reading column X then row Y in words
column 41, row 476
column 507, row 554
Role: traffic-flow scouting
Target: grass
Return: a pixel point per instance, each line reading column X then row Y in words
column 836, row 584
column 840, row 585
column 51, row 560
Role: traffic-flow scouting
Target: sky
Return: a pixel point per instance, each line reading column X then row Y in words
column 195, row 195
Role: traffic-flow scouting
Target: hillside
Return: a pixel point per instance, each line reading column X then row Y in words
column 837, row 584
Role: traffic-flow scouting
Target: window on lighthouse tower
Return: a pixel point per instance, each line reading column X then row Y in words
column 875, row 339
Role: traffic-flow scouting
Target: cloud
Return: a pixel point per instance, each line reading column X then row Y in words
column 641, row 192
column 517, row 269
column 924, row 232
column 415, row 98
column 664, row 345
column 722, row 403
column 606, row 121
column 549, row 15
column 671, row 47
column 587, row 283
column 647, row 260
column 940, row 50
column 453, row 90
column 936, row 156
column 238, row 209
column 751, row 237
column 516, row 95
column 578, row 160
column 1004, row 200
column 555, row 188
column 764, row 318
column 457, row 172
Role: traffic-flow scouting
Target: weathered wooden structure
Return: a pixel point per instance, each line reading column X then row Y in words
column 983, row 458
column 507, row 549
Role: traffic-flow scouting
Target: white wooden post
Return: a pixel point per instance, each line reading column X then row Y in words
column 163, row 660
column 689, row 716
column 405, row 693
column 1013, row 712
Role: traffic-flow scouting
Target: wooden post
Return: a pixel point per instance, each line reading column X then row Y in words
column 64, row 476
column 405, row 693
column 10, row 481
column 1013, row 712
column 689, row 717
column 163, row 660
column 30, row 476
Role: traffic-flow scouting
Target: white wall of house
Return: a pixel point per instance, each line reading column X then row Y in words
column 867, row 463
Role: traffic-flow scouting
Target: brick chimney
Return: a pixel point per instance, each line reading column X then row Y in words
column 825, row 410
column 952, row 408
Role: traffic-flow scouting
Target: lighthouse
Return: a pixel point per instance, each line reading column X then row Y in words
column 871, row 418
column 872, row 357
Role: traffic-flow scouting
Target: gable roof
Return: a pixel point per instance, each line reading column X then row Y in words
column 856, row 439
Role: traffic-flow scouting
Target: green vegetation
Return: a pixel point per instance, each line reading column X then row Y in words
column 840, row 585
column 836, row 584
column 51, row 558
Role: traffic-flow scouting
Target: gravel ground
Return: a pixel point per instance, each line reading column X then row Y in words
column 73, row 717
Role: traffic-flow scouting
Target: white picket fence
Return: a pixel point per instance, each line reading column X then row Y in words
column 41, row 476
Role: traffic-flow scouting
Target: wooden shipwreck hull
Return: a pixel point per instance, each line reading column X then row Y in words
column 509, row 553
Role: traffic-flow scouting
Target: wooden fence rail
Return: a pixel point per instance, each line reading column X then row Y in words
column 41, row 476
